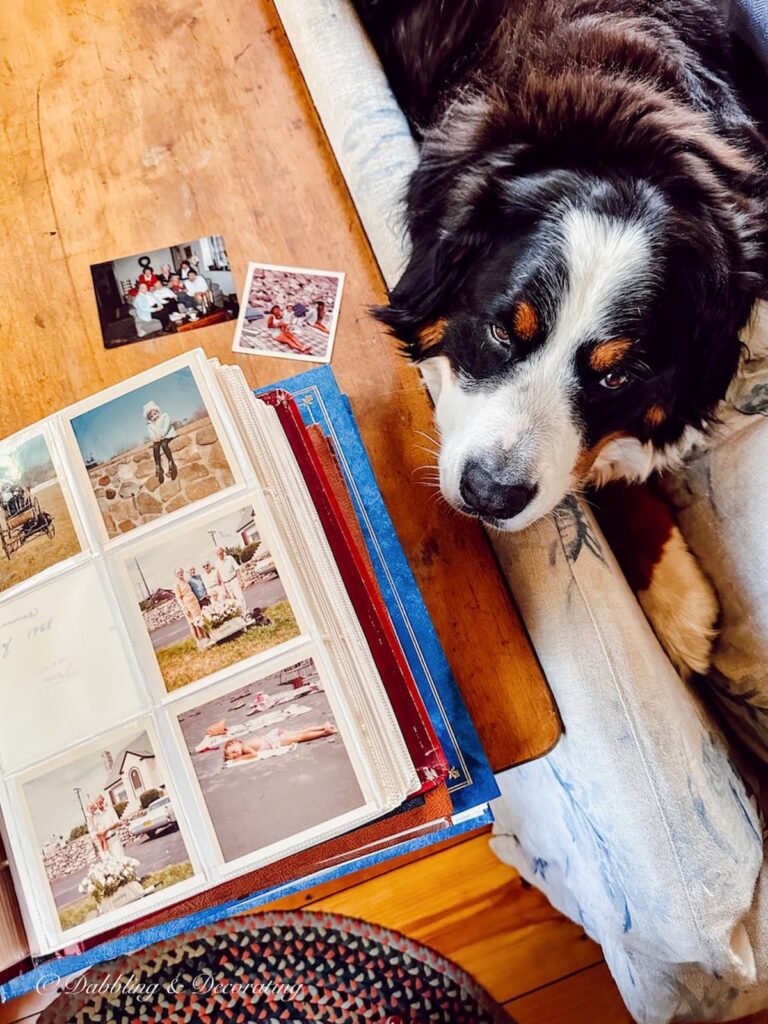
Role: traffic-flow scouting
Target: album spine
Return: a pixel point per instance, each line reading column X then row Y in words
column 418, row 731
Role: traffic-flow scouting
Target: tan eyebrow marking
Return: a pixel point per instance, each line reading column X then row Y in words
column 432, row 334
column 608, row 354
column 526, row 322
column 655, row 416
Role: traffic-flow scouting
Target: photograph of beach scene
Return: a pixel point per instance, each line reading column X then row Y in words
column 272, row 746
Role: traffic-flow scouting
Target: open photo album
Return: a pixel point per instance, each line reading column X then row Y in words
column 201, row 687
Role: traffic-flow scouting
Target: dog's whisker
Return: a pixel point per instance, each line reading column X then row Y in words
column 430, row 437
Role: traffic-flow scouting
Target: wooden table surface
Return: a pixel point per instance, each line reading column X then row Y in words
column 136, row 124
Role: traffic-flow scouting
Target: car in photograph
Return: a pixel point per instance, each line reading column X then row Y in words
column 159, row 815
column 265, row 566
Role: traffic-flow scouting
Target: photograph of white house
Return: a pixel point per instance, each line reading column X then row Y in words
column 107, row 828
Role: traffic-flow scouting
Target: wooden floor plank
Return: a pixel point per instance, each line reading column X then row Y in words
column 587, row 997
column 476, row 911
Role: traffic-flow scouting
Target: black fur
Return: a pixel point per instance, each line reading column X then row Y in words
column 525, row 108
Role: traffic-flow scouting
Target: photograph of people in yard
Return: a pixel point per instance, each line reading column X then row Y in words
column 210, row 596
column 289, row 312
column 151, row 451
column 107, row 829
column 36, row 527
column 273, row 747
column 165, row 291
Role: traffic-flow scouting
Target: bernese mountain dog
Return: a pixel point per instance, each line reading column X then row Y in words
column 589, row 225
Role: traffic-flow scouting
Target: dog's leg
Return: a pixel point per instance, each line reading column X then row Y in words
column 677, row 598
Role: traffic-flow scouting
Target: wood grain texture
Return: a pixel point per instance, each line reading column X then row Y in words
column 473, row 909
column 476, row 911
column 587, row 995
column 137, row 124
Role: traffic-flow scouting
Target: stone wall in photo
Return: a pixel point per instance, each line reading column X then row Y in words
column 128, row 490
column 274, row 288
column 73, row 856
column 79, row 854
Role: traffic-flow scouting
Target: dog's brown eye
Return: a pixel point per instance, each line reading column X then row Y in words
column 499, row 333
column 614, row 380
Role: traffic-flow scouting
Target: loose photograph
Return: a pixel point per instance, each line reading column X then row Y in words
column 289, row 312
column 165, row 291
column 211, row 596
column 270, row 760
column 107, row 830
column 36, row 527
column 151, row 451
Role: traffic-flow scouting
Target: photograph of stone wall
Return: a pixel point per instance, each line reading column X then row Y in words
column 289, row 311
column 128, row 489
column 151, row 451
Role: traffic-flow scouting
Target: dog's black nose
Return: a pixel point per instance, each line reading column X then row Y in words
column 487, row 495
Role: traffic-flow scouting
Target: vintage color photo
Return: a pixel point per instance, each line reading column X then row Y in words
column 151, row 451
column 165, row 291
column 36, row 527
column 210, row 596
column 289, row 312
column 270, row 760
column 107, row 830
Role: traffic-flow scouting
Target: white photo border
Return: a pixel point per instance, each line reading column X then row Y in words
column 338, row 275
column 197, row 363
column 349, row 732
column 31, row 847
column 131, row 613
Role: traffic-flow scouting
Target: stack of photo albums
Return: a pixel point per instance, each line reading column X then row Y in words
column 217, row 678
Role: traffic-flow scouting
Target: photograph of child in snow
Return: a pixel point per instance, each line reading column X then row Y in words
column 106, row 829
column 151, row 451
column 210, row 596
column 274, row 747
column 289, row 312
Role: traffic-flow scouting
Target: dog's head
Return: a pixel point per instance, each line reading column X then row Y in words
column 558, row 301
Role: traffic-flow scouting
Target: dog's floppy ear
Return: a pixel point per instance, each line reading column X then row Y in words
column 711, row 274
column 422, row 296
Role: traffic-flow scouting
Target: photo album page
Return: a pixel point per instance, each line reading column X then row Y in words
column 187, row 692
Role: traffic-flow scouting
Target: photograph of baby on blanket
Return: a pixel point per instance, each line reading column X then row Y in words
column 274, row 747
column 210, row 596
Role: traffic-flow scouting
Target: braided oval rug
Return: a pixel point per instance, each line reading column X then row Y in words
column 279, row 967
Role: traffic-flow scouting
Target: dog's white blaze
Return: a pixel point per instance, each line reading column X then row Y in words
column 530, row 415
column 604, row 256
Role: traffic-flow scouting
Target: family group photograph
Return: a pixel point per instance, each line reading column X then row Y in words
column 273, row 746
column 36, row 526
column 107, row 829
column 211, row 596
column 150, row 451
column 168, row 290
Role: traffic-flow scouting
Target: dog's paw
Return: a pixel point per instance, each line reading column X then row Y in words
column 681, row 605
